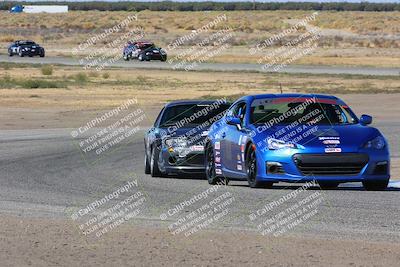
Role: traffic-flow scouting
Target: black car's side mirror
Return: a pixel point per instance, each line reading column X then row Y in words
column 365, row 119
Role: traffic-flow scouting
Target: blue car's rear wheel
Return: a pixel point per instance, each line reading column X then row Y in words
column 251, row 169
column 211, row 174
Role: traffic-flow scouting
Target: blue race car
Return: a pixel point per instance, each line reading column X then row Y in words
column 270, row 138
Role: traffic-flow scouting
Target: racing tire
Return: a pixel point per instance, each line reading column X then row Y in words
column 126, row 58
column 147, row 58
column 146, row 164
column 154, row 170
column 140, row 57
column 10, row 54
column 42, row 54
column 211, row 175
column 164, row 59
column 251, row 170
column 328, row 185
column 375, row 185
column 20, row 54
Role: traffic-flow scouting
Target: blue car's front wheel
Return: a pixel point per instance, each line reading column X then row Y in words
column 211, row 174
column 251, row 169
column 375, row 185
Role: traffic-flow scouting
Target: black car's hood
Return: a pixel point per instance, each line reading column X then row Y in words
column 195, row 133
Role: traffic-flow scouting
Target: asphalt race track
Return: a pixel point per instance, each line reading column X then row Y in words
column 214, row 66
column 43, row 173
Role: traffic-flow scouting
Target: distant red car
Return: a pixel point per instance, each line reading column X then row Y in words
column 133, row 49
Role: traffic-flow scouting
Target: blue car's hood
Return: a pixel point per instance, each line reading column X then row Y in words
column 347, row 137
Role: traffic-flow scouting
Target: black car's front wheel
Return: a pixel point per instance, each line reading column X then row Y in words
column 154, row 169
column 211, row 174
column 146, row 164
column 251, row 169
column 375, row 185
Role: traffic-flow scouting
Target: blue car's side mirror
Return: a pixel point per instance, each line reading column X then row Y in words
column 232, row 120
column 365, row 119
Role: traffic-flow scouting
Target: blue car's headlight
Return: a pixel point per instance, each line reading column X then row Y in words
column 275, row 144
column 377, row 143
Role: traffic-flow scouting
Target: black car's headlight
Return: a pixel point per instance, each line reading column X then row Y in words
column 377, row 143
column 175, row 142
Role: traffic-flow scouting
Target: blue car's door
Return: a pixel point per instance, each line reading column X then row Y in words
column 231, row 141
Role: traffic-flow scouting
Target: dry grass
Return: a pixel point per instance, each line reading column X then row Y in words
column 97, row 91
column 347, row 31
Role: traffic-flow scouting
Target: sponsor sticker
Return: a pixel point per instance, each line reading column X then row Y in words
column 333, row 150
column 242, row 148
column 197, row 148
column 329, row 138
column 239, row 167
column 217, row 145
column 331, row 142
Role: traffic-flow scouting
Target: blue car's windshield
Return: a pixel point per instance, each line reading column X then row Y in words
column 274, row 111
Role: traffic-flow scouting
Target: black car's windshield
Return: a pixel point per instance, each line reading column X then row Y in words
column 27, row 43
column 304, row 111
column 192, row 114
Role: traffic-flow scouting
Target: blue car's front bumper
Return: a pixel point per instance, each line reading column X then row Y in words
column 342, row 167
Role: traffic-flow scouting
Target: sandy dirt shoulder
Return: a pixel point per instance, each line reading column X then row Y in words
column 58, row 242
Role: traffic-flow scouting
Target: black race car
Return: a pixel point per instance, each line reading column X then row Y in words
column 175, row 144
column 152, row 53
column 25, row 48
column 132, row 50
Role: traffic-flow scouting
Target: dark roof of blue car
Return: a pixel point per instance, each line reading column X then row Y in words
column 294, row 95
column 192, row 102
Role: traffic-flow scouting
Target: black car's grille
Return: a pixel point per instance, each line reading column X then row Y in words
column 195, row 160
column 330, row 164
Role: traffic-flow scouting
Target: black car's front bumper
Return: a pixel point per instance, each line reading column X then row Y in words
column 172, row 161
column 32, row 52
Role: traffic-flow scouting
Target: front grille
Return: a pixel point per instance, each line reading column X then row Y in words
column 330, row 164
column 194, row 160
